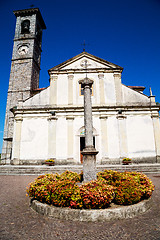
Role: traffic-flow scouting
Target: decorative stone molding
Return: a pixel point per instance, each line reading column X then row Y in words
column 54, row 77
column 70, row 76
column 52, row 118
column 69, row 118
column 18, row 119
column 121, row 117
column 152, row 100
column 103, row 117
column 155, row 115
column 117, row 74
column 100, row 75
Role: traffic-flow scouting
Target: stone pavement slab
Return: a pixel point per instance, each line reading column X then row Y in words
column 19, row 221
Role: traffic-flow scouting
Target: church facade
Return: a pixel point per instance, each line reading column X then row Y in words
column 49, row 123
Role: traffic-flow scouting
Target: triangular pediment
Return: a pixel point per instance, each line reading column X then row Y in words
column 78, row 63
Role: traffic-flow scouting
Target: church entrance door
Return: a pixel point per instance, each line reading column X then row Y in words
column 82, row 146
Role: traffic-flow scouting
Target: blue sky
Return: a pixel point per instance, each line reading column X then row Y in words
column 125, row 32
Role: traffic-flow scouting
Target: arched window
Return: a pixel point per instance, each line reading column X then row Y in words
column 25, row 27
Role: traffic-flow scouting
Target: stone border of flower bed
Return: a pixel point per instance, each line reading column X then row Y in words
column 119, row 212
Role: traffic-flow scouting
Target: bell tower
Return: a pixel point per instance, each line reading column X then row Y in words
column 25, row 68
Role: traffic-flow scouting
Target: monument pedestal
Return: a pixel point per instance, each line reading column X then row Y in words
column 89, row 164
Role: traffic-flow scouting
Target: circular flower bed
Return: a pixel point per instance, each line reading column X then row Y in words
column 68, row 190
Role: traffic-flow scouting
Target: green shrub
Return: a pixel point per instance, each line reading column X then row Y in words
column 110, row 176
column 127, row 191
column 131, row 187
column 93, row 195
column 40, row 189
column 61, row 192
column 73, row 176
column 64, row 191
column 145, row 184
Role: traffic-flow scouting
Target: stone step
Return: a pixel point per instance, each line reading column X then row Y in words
column 38, row 170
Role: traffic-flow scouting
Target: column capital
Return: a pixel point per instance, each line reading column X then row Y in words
column 121, row 117
column 117, row 74
column 69, row 117
column 100, row 75
column 103, row 117
column 152, row 100
column 154, row 115
column 54, row 77
column 52, row 118
column 18, row 119
column 86, row 82
column 70, row 76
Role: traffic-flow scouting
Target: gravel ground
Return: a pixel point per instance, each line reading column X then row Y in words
column 19, row 221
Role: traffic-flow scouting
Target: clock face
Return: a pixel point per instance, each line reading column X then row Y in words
column 23, row 50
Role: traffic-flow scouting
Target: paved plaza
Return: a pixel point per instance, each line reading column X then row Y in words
column 19, row 221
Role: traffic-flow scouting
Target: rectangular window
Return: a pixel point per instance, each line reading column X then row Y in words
column 82, row 90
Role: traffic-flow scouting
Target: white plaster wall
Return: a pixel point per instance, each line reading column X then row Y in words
column 109, row 88
column 140, row 136
column 77, row 98
column 113, row 137
column 77, row 64
column 34, row 140
column 62, row 89
column 96, row 126
column 130, row 95
column 41, row 98
column 61, row 138
column 78, row 123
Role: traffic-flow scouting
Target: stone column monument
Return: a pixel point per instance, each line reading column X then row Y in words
column 89, row 153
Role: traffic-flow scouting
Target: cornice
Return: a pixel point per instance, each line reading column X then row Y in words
column 89, row 70
column 28, row 12
column 79, row 108
column 89, row 56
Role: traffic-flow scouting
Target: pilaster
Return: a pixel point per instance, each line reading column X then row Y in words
column 53, row 90
column 152, row 100
column 70, row 89
column 156, row 127
column 52, row 122
column 118, row 87
column 104, row 137
column 17, row 141
column 122, row 136
column 70, row 136
column 101, row 88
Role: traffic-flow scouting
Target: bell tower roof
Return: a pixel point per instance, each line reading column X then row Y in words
column 31, row 11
